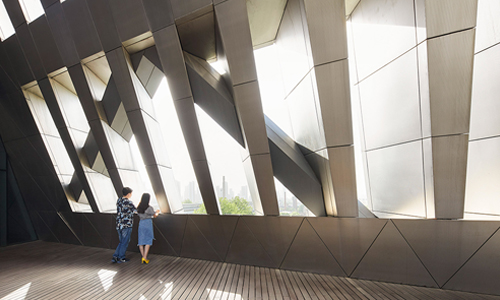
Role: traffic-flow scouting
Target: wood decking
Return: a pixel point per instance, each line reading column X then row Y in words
column 41, row 270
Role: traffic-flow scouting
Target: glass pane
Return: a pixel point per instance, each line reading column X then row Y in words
column 177, row 150
column 226, row 167
column 6, row 28
column 55, row 147
column 290, row 205
column 272, row 87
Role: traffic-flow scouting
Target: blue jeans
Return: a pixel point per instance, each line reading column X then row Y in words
column 124, row 236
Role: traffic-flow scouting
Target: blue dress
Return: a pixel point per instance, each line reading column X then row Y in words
column 146, row 235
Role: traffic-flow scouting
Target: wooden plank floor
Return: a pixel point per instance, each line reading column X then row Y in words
column 41, row 270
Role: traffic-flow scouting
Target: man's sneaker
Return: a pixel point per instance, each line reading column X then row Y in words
column 122, row 260
column 114, row 259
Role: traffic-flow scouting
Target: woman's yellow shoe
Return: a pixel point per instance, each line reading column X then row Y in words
column 145, row 261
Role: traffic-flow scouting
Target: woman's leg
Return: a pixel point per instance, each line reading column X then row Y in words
column 146, row 251
column 141, row 248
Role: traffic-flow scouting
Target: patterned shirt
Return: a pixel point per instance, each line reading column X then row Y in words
column 125, row 210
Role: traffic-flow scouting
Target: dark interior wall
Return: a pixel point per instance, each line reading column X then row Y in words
column 15, row 223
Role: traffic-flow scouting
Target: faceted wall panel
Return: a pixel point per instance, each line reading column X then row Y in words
column 196, row 245
column 347, row 239
column 293, row 47
column 397, row 179
column 444, row 246
column 274, row 234
column 385, row 35
column 218, row 231
column 391, row 259
column 480, row 272
column 308, row 252
column 488, row 25
column 246, row 249
column 483, row 165
column 449, row 16
column 450, row 78
column 390, row 103
column 485, row 88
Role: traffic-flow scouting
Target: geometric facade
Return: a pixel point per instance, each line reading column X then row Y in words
column 392, row 104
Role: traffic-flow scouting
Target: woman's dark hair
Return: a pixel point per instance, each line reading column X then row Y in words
column 144, row 203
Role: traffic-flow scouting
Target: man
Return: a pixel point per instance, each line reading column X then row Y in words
column 125, row 210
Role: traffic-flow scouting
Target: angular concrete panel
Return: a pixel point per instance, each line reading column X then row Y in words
column 348, row 239
column 390, row 259
column 382, row 30
column 82, row 28
column 62, row 34
column 321, row 167
column 190, row 128
column 130, row 18
column 197, row 35
column 173, row 228
column 450, row 82
column 326, row 23
column 104, row 225
column 195, row 244
column 293, row 171
column 182, row 7
column 479, row 274
column 343, row 174
column 332, row 84
column 22, row 69
column 485, row 88
column 15, row 12
column 60, row 228
column 308, row 252
column 275, row 234
column 304, row 116
column 172, row 60
column 483, row 172
column 390, row 103
column 42, row 36
column 42, row 231
column 443, row 17
column 246, row 249
column 488, row 26
column 212, row 95
column 217, row 230
column 449, row 158
column 161, row 244
column 444, row 246
column 251, row 115
column 91, row 235
column 232, row 21
column 397, row 179
column 102, row 17
column 159, row 14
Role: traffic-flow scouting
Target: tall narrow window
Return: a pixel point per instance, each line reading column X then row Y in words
column 289, row 205
column 176, row 148
column 55, row 147
column 226, row 167
column 6, row 28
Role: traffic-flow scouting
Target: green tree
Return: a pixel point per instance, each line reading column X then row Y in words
column 187, row 201
column 235, row 206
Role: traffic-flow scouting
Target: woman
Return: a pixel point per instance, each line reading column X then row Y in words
column 146, row 236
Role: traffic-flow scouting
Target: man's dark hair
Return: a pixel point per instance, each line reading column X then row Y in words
column 126, row 190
